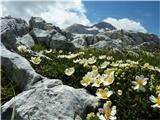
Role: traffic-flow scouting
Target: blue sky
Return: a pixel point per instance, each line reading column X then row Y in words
column 147, row 13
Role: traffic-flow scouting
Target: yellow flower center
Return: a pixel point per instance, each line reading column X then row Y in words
column 109, row 80
column 107, row 113
column 98, row 81
column 104, row 94
column 86, row 81
column 36, row 60
column 140, row 82
column 158, row 100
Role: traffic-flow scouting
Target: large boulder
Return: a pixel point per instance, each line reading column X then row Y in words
column 108, row 44
column 11, row 28
column 26, row 40
column 49, row 101
column 37, row 22
column 18, row 69
column 59, row 42
column 42, row 36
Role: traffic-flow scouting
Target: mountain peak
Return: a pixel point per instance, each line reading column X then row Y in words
column 104, row 25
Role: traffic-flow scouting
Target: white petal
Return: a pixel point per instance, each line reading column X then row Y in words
column 113, row 112
column 152, row 98
column 137, row 77
column 113, row 118
column 134, row 82
column 136, row 87
column 141, row 77
column 101, row 117
column 142, row 88
column 145, row 82
column 109, row 93
column 155, row 105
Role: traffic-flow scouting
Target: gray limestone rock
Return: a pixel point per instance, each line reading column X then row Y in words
column 26, row 40
column 18, row 68
column 49, row 102
column 11, row 28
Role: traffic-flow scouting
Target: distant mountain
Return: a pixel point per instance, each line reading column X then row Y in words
column 104, row 25
column 94, row 29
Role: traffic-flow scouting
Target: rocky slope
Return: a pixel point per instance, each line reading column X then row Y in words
column 48, row 99
column 41, row 98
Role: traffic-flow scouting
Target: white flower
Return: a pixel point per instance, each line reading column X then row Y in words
column 119, row 92
column 115, row 64
column 83, row 61
column 22, row 48
column 107, row 113
column 87, row 80
column 132, row 62
column 147, row 65
column 97, row 81
column 139, row 83
column 77, row 60
column 94, row 68
column 35, row 60
column 157, row 69
column 108, row 71
column 104, row 93
column 69, row 71
column 48, row 51
column 109, row 79
column 155, row 100
column 104, row 64
column 91, row 60
column 60, row 51
column 110, row 58
column 102, row 57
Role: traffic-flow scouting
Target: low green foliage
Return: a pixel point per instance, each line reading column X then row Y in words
column 38, row 47
column 8, row 88
column 130, row 104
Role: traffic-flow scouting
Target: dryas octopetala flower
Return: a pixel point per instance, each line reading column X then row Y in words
column 35, row 60
column 104, row 64
column 87, row 79
column 60, row 51
column 94, row 68
column 97, row 81
column 77, row 60
column 102, row 57
column 107, row 112
column 119, row 92
column 104, row 93
column 155, row 100
column 108, row 79
column 91, row 60
column 48, row 51
column 69, row 71
column 139, row 83
column 22, row 48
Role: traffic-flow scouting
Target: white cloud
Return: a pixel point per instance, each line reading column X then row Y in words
column 60, row 13
column 126, row 24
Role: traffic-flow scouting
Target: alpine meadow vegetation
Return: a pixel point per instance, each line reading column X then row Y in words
column 127, row 87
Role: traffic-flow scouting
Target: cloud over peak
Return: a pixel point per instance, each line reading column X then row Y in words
column 126, row 24
column 60, row 13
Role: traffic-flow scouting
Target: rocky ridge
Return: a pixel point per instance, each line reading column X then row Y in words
column 44, row 98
